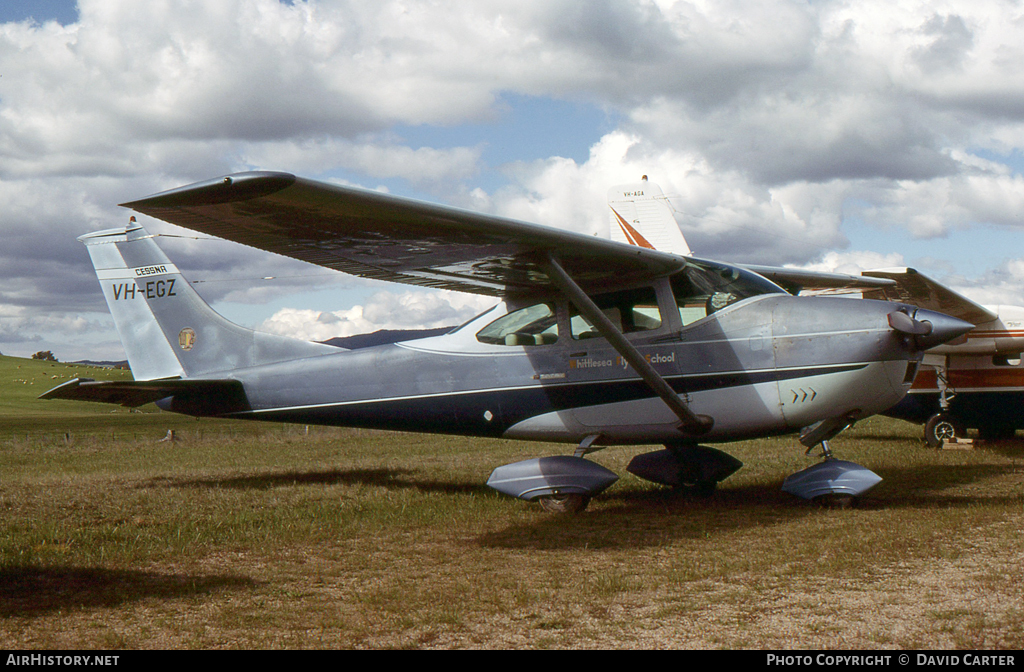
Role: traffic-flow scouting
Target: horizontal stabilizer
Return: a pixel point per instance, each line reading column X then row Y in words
column 215, row 397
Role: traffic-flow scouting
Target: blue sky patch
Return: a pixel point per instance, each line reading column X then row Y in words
column 63, row 12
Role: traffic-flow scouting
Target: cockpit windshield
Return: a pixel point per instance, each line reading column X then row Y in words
column 704, row 287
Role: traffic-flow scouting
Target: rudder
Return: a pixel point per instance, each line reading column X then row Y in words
column 641, row 215
column 166, row 328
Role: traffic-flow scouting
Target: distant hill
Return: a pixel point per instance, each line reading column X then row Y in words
column 384, row 336
column 22, row 380
column 106, row 365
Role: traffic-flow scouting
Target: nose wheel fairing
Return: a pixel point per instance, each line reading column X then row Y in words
column 831, row 480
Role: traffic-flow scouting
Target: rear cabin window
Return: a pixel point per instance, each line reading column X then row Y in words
column 631, row 310
column 533, row 325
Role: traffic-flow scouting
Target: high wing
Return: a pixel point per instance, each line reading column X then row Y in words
column 385, row 237
column 795, row 280
column 910, row 286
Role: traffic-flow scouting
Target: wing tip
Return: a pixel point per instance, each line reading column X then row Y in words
column 225, row 189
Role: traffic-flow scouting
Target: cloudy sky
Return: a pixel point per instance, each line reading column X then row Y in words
column 834, row 135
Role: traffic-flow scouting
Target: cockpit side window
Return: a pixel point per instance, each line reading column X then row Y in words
column 704, row 287
column 631, row 310
column 533, row 325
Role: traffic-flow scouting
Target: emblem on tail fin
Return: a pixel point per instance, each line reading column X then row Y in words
column 187, row 338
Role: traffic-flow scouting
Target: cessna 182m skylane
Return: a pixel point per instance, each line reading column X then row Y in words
column 595, row 342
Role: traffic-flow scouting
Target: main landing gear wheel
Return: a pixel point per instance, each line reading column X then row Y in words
column 942, row 427
column 701, row 489
column 836, row 500
column 568, row 503
column 687, row 469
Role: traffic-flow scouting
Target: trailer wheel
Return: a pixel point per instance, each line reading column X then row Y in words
column 942, row 427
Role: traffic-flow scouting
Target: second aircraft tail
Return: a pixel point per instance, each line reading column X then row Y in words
column 641, row 215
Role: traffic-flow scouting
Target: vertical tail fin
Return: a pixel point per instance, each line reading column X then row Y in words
column 641, row 215
column 166, row 328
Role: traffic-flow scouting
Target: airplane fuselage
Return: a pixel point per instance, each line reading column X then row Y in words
column 768, row 364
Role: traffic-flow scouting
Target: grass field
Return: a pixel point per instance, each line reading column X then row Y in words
column 244, row 535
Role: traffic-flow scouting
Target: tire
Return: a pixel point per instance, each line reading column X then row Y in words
column 570, row 503
column 702, row 489
column 942, row 427
column 835, row 501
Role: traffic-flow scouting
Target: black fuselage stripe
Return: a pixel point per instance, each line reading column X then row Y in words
column 491, row 412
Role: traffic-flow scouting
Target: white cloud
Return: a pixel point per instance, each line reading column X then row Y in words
column 932, row 207
column 384, row 310
column 766, row 123
column 24, row 332
column 421, row 166
column 998, row 286
column 723, row 214
column 852, row 263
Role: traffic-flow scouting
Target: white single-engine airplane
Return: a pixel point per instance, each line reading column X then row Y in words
column 976, row 381
column 595, row 342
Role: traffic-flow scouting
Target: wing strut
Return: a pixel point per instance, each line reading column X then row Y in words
column 691, row 422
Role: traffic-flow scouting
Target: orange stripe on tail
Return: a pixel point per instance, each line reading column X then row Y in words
column 632, row 235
